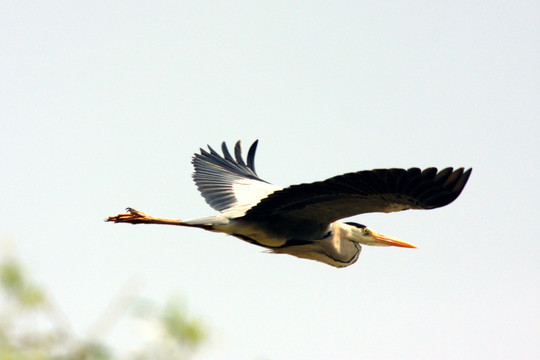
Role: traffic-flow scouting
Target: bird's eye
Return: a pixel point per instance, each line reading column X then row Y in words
column 367, row 232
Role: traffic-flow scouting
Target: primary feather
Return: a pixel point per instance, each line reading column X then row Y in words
column 228, row 184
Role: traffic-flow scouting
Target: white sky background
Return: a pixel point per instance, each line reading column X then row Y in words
column 103, row 104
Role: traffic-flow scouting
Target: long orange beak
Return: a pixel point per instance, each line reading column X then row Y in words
column 390, row 241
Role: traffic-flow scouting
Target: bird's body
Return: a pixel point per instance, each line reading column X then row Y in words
column 303, row 220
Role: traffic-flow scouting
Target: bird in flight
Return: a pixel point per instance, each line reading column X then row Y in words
column 303, row 220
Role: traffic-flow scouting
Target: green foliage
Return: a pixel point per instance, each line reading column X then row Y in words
column 180, row 328
column 25, row 301
column 90, row 351
column 14, row 283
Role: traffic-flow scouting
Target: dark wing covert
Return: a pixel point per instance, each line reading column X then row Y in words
column 379, row 190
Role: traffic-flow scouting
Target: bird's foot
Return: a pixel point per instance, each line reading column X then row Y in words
column 133, row 217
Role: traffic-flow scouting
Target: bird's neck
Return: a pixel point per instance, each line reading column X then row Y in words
column 339, row 246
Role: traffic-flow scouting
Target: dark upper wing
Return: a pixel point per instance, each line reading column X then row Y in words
column 381, row 190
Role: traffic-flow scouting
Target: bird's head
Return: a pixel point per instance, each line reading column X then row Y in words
column 363, row 235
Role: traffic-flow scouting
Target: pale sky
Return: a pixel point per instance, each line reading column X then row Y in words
column 102, row 105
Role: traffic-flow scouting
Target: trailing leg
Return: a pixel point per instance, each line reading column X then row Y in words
column 138, row 217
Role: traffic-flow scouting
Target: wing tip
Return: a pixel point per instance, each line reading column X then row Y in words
column 451, row 188
column 227, row 162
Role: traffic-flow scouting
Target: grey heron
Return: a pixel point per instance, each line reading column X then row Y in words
column 303, row 220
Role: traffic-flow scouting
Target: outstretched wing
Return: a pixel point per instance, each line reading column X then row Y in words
column 381, row 190
column 228, row 184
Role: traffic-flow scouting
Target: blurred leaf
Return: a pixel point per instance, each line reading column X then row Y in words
column 31, row 296
column 11, row 276
column 8, row 352
column 91, row 351
column 14, row 283
column 181, row 329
